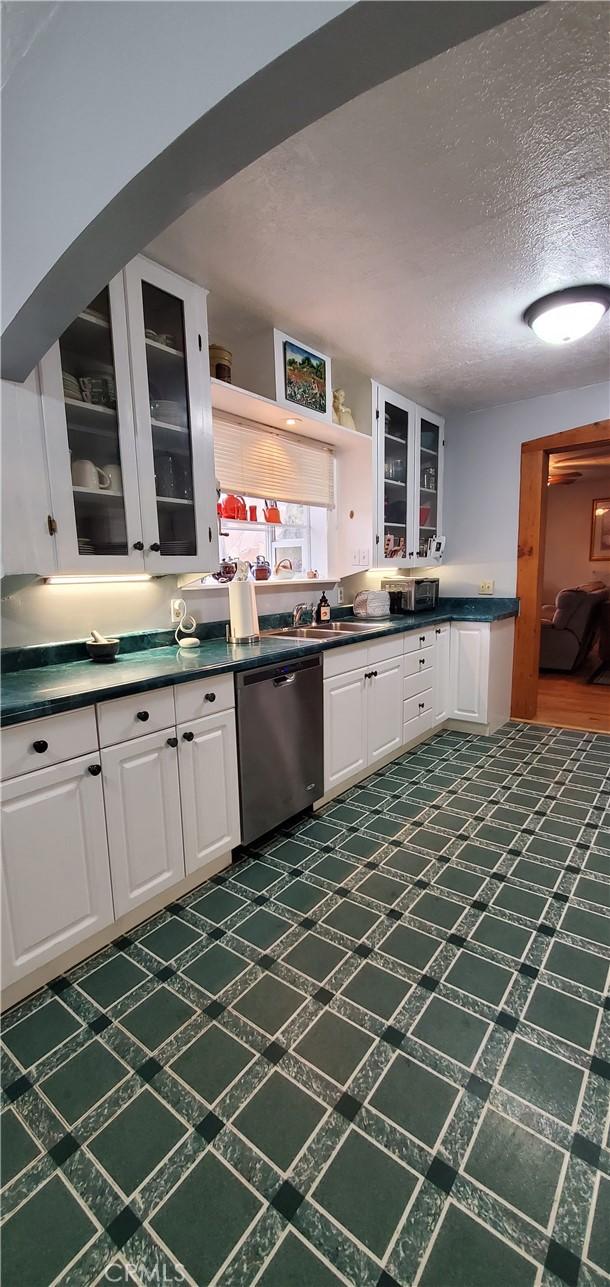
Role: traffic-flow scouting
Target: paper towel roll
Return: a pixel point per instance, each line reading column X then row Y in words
column 242, row 609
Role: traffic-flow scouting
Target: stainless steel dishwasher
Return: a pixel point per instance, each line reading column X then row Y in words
column 280, row 742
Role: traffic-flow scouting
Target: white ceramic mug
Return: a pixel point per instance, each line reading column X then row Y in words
column 115, row 476
column 87, row 474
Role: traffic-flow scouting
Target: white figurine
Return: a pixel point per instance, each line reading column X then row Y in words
column 342, row 414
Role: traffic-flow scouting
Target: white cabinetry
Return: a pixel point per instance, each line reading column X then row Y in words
column 55, row 876
column 142, row 797
column 408, row 478
column 345, row 738
column 469, row 670
column 363, row 708
column 384, row 709
column 442, row 673
column 209, row 789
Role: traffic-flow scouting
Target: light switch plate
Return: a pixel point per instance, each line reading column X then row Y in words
column 486, row 587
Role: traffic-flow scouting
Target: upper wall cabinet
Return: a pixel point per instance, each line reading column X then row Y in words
column 408, row 471
column 128, row 426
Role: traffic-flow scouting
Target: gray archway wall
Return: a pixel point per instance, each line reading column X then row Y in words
column 361, row 46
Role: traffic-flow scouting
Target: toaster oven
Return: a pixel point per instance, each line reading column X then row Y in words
column 412, row 593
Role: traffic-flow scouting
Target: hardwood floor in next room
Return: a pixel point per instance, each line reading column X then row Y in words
column 568, row 701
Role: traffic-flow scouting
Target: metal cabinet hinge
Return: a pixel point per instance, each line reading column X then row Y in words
column 377, row 540
column 51, row 524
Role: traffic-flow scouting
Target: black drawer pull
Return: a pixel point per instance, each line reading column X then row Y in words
column 143, row 716
column 188, row 737
column 421, row 705
column 422, row 661
column 94, row 770
column 374, row 674
column 438, row 630
column 210, row 697
column 41, row 746
column 155, row 546
column 172, row 741
column 138, row 545
column 422, row 638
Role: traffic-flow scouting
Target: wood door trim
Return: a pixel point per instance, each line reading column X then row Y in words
column 530, row 555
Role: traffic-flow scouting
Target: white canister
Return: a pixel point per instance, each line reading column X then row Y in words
column 242, row 610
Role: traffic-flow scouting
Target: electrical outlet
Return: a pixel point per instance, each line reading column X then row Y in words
column 364, row 558
column 176, row 609
column 339, row 594
column 355, row 558
column 486, row 587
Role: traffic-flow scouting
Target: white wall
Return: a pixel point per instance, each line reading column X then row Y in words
column 568, row 537
column 482, row 464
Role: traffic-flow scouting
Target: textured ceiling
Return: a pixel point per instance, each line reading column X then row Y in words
column 407, row 231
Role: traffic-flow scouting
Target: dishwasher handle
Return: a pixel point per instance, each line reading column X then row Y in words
column 282, row 680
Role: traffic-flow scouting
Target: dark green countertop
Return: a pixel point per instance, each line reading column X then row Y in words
column 30, row 693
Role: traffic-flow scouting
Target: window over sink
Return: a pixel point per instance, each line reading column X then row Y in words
column 297, row 543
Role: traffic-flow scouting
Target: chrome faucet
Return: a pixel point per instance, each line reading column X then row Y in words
column 297, row 612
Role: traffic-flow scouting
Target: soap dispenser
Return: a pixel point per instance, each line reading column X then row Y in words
column 323, row 610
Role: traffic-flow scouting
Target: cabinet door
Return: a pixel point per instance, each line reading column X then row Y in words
column 428, row 480
column 88, row 416
column 394, row 434
column 142, row 797
column 55, row 875
column 171, row 386
column 345, row 747
column 27, row 544
column 441, row 673
column 469, row 665
column 384, row 709
column 209, row 788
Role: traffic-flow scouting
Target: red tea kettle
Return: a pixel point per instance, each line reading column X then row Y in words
column 234, row 507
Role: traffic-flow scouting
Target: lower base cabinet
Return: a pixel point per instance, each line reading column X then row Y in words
column 384, row 715
column 209, row 788
column 345, row 746
column 56, row 889
column 142, row 796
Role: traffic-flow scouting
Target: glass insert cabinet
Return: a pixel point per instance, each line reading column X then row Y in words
column 128, row 426
column 408, row 479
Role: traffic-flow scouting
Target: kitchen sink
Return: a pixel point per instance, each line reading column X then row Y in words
column 326, row 631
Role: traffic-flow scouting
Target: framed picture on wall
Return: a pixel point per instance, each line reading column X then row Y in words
column 302, row 377
column 600, row 531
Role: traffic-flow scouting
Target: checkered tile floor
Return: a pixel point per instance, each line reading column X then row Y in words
column 376, row 1051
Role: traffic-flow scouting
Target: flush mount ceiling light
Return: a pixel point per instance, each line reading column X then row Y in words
column 567, row 315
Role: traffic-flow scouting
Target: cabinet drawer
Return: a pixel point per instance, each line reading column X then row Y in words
column 339, row 661
column 417, row 705
column 204, row 697
column 417, row 663
column 127, row 717
column 414, row 684
column 418, row 639
column 383, row 649
column 417, row 724
column 42, row 742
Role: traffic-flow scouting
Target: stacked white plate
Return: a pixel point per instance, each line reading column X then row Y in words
column 72, row 388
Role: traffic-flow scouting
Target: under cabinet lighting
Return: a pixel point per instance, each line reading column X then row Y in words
column 567, row 315
column 99, row 578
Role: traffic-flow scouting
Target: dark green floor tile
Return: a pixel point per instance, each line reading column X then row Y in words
column 136, row 1140
column 43, row 1236
column 447, row 821
column 461, row 882
column 279, row 1119
column 466, row 1253
column 410, row 946
column 541, row 847
column 525, row 800
column 83, row 1080
column 593, row 891
column 212, row 1062
column 320, row 833
column 409, row 864
column 464, row 804
column 550, row 1083
column 432, row 841
column 557, row 827
column 33, row 1038
column 479, row 977
column 334, row 869
column 415, row 1098
column 193, row 1221
column 348, row 918
column 602, row 840
column 599, row 1244
column 376, row 990
column 517, row 1165
column 439, row 911
column 599, row 863
column 170, row 939
column 292, row 852
column 536, row 873
column 479, row 856
column 522, row 902
column 301, row 896
column 113, row 980
column 294, row 1265
column 587, row 925
column 564, row 809
column 157, row 1018
column 315, row 957
column 503, row 837
column 269, row 1004
column 455, row 1032
column 219, row 904
column 581, row 967
column 481, row 790
column 366, row 1191
column 257, row 876
column 515, row 818
column 262, row 928
column 563, row 1015
column 334, row 1046
column 17, row 1148
column 345, row 813
column 424, row 794
column 368, row 799
column 406, row 809
column 501, row 935
column 382, row 888
column 215, row 969
column 360, row 846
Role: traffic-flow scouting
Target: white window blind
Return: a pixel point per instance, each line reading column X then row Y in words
column 256, row 461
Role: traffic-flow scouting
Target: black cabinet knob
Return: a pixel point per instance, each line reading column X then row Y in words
column 188, row 737
column 438, row 630
column 155, row 546
column 210, row 697
column 41, row 746
column 138, row 545
column 421, row 706
column 95, row 770
column 422, row 661
column 172, row 741
column 422, row 638
column 143, row 716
